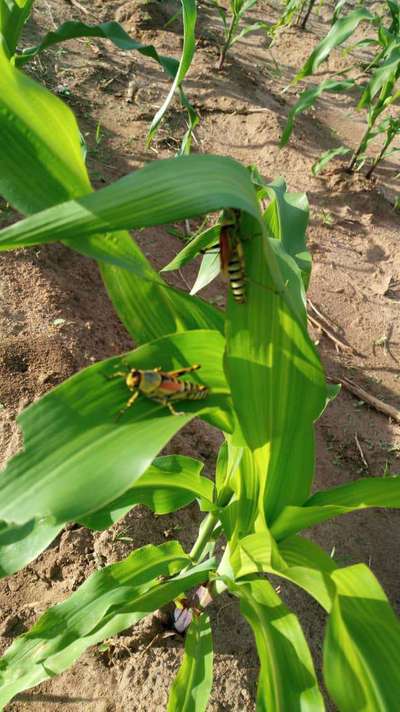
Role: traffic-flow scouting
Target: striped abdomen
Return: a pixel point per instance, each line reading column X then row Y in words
column 186, row 390
column 236, row 274
column 232, row 262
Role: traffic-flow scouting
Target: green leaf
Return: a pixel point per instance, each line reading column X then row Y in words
column 77, row 458
column 253, row 27
column 361, row 494
column 189, row 14
column 107, row 30
column 148, row 307
column 270, row 364
column 20, row 544
column 256, row 553
column 308, row 98
column 210, row 268
column 192, row 686
column 362, row 644
column 168, row 484
column 48, row 169
column 111, row 600
column 387, row 72
column 309, row 567
column 287, row 219
column 161, row 192
column 13, row 15
column 297, row 560
column 287, row 678
column 339, row 33
column 245, row 480
column 40, row 155
column 200, row 242
column 326, row 157
column 27, row 182
column 228, row 461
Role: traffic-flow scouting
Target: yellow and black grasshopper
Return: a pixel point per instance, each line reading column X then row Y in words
column 231, row 255
column 161, row 386
column 232, row 261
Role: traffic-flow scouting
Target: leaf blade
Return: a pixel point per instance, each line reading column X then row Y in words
column 361, row 494
column 192, row 686
column 170, row 483
column 282, row 650
column 72, row 430
column 362, row 644
column 111, row 600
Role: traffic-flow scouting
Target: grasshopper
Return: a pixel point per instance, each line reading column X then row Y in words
column 231, row 255
column 161, row 386
column 232, row 261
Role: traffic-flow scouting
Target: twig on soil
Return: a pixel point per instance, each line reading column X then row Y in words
column 360, row 450
column 374, row 402
column 51, row 15
column 230, row 112
column 338, row 342
column 321, row 316
column 108, row 82
column 81, row 8
column 157, row 637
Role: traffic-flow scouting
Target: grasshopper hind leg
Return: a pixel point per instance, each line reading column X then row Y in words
column 182, row 371
column 167, row 403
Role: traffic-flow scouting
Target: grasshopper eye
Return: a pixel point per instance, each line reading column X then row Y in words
column 134, row 377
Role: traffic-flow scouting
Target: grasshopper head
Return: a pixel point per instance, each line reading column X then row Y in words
column 133, row 378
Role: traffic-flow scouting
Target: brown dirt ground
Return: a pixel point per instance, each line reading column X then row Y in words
column 353, row 237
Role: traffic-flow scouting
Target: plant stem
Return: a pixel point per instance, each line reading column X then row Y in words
column 362, row 146
column 307, row 15
column 206, row 529
column 226, row 44
column 380, row 156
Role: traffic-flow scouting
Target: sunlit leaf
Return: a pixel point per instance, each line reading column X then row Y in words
column 209, row 269
column 192, row 686
column 168, row 484
column 189, row 15
column 41, row 160
column 308, row 98
column 362, row 644
column 361, row 494
column 200, row 242
column 297, row 560
column 20, row 544
column 161, row 192
column 387, row 72
column 339, row 33
column 318, row 166
column 282, row 649
column 78, row 458
column 111, row 600
column 270, row 364
column 13, row 15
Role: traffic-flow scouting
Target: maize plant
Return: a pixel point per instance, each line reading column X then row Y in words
column 92, row 444
column 378, row 86
column 15, row 13
column 232, row 18
column 293, row 12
